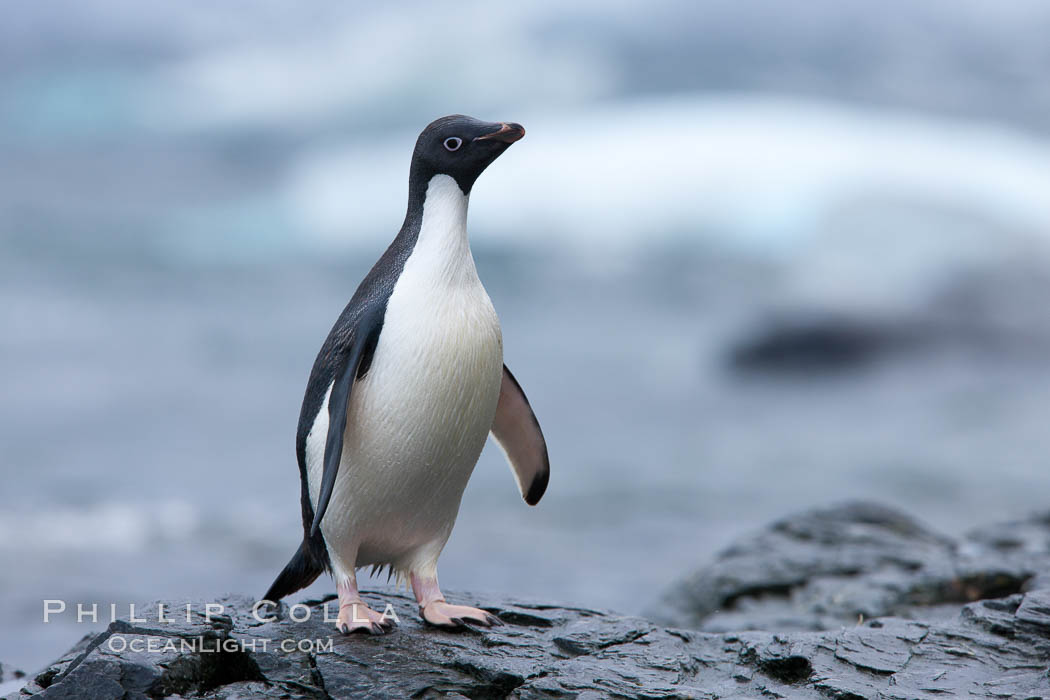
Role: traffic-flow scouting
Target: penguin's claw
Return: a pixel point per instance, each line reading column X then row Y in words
column 348, row 628
column 442, row 614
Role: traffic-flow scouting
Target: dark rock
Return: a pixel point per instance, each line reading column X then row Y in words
column 834, row 566
column 783, row 581
column 811, row 343
column 997, row 314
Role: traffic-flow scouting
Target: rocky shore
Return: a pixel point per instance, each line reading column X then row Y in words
column 854, row 601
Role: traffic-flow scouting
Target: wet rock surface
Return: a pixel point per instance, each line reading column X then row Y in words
column 835, row 566
column 799, row 587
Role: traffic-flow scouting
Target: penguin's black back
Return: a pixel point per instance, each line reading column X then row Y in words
column 371, row 297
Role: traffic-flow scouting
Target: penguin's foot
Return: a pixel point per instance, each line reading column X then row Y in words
column 436, row 611
column 355, row 616
column 442, row 614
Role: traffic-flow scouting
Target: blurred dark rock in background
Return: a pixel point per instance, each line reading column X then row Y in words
column 804, row 343
column 996, row 312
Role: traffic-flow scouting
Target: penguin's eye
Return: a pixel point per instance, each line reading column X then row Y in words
column 452, row 143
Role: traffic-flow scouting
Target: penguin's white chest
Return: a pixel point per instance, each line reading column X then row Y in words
column 418, row 420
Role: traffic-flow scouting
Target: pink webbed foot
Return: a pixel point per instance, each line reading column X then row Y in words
column 437, row 612
column 355, row 615
column 358, row 617
column 444, row 614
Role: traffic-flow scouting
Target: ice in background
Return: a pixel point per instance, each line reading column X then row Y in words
column 749, row 258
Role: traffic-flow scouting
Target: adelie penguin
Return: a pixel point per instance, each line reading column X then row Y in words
column 404, row 392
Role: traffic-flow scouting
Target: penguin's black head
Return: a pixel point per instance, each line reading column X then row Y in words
column 461, row 147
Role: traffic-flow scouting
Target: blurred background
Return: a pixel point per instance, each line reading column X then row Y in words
column 751, row 257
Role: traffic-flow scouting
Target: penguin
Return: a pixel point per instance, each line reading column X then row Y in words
column 403, row 394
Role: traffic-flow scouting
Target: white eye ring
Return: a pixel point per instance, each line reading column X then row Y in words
column 452, row 143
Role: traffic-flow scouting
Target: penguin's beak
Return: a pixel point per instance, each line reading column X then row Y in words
column 507, row 133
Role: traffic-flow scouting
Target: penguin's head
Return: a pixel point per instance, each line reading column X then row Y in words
column 461, row 147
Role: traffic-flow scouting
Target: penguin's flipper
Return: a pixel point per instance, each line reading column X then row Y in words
column 354, row 363
column 517, row 431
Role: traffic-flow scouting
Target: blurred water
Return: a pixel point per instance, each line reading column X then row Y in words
column 188, row 199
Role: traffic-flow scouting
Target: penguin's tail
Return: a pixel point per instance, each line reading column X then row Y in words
column 300, row 572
